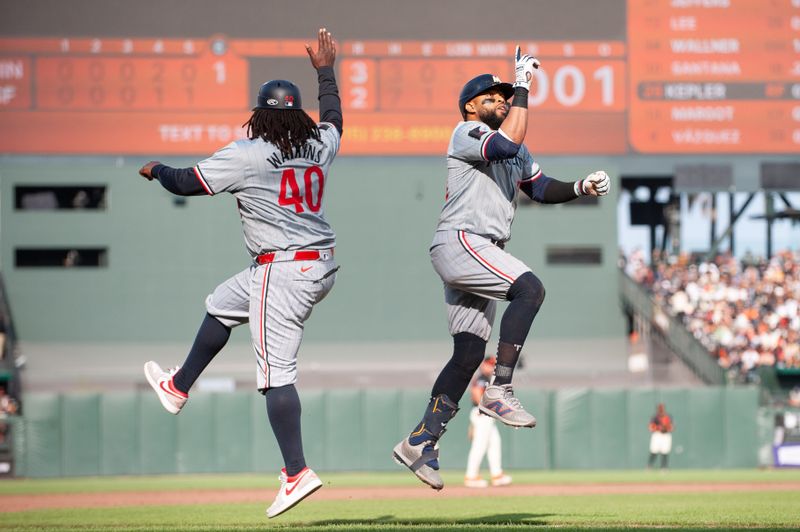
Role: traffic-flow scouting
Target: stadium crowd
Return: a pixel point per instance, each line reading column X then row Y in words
column 746, row 313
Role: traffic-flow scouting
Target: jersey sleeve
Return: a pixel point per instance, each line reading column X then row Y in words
column 531, row 169
column 330, row 136
column 469, row 141
column 222, row 172
column 533, row 180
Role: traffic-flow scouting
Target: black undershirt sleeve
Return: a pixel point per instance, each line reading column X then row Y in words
column 180, row 181
column 545, row 189
column 559, row 191
column 330, row 105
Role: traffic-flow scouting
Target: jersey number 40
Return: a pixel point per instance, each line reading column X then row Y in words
column 291, row 195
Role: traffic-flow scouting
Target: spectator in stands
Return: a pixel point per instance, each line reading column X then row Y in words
column 746, row 314
column 794, row 397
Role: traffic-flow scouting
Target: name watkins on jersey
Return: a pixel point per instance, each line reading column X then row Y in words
column 306, row 151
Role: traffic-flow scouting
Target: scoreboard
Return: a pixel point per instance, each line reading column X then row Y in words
column 714, row 76
column 689, row 76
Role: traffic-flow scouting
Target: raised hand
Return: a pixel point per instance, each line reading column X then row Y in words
column 326, row 50
column 524, row 65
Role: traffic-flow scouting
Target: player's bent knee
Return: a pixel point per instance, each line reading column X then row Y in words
column 529, row 288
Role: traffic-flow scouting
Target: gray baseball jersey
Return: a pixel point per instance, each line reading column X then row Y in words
column 281, row 205
column 481, row 195
column 479, row 209
column 280, row 200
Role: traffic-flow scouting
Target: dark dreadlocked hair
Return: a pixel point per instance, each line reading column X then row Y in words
column 285, row 128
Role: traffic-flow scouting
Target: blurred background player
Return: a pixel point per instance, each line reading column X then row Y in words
column 484, row 435
column 278, row 177
column 487, row 166
column 660, row 437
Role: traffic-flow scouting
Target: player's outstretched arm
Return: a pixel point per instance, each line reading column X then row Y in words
column 546, row 189
column 515, row 126
column 180, row 181
column 330, row 105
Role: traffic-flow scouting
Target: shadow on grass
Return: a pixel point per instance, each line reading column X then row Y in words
column 511, row 521
column 516, row 521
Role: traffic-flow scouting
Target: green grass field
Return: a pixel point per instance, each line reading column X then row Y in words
column 750, row 509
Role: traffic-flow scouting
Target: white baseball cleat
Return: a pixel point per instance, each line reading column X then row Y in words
column 501, row 480
column 294, row 490
column 171, row 398
column 476, row 482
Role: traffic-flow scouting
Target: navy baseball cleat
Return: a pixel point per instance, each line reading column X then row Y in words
column 499, row 402
column 172, row 399
column 421, row 459
column 419, row 451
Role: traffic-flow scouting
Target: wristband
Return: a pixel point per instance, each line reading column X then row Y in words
column 578, row 188
column 520, row 97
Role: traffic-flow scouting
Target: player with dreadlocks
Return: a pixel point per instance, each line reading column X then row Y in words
column 287, row 130
column 278, row 176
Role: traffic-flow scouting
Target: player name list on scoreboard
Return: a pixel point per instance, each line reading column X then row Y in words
column 714, row 76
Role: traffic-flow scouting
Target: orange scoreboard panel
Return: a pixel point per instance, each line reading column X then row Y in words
column 402, row 96
column 714, row 76
column 129, row 96
column 191, row 96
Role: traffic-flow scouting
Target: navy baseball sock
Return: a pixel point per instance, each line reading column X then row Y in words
column 211, row 338
column 468, row 353
column 283, row 410
column 526, row 296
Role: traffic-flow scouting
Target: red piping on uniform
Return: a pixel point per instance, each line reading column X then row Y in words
column 483, row 261
column 485, row 142
column 263, row 316
column 202, row 182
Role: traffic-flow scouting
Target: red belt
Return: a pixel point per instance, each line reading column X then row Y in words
column 267, row 258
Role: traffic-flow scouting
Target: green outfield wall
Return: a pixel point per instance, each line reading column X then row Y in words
column 131, row 434
column 164, row 257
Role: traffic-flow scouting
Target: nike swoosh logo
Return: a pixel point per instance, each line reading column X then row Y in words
column 166, row 389
column 296, row 483
column 304, row 269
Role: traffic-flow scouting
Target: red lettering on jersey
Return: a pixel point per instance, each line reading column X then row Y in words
column 290, row 191
column 288, row 181
column 312, row 205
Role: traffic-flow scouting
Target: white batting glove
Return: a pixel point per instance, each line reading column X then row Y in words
column 524, row 65
column 596, row 184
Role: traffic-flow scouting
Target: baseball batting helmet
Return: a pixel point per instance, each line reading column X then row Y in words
column 479, row 85
column 279, row 94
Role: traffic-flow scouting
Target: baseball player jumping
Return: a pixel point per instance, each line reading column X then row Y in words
column 487, row 164
column 278, row 176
